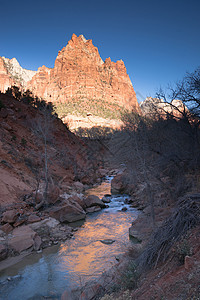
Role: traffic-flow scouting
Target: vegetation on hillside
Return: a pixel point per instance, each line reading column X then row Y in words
column 162, row 160
column 83, row 107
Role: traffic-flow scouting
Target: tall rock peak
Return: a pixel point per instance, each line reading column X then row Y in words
column 80, row 75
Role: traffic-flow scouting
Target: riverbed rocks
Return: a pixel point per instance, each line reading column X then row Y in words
column 9, row 216
column 106, row 199
column 53, row 194
column 23, row 238
column 51, row 231
column 79, row 186
column 119, row 184
column 67, row 212
column 33, row 218
column 123, row 184
column 103, row 172
column 7, row 228
column 107, row 241
column 93, row 200
column 92, row 209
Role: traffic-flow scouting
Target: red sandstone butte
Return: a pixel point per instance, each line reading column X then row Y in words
column 80, row 74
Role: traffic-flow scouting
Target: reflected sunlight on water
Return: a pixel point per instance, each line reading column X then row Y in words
column 78, row 260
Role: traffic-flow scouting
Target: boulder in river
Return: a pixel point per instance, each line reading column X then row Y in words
column 66, row 212
column 107, row 241
column 93, row 200
column 119, row 184
column 106, row 199
column 93, row 209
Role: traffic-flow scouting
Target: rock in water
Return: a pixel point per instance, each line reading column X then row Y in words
column 107, row 241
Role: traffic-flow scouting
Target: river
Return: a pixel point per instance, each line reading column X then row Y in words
column 76, row 261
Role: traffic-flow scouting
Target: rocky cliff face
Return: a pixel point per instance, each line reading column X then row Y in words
column 11, row 73
column 154, row 106
column 5, row 77
column 79, row 74
column 17, row 72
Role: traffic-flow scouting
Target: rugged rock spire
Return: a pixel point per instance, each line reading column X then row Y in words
column 79, row 74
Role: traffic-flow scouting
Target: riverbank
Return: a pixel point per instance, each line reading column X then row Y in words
column 26, row 229
column 96, row 246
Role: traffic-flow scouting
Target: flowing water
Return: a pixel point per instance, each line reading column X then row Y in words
column 76, row 261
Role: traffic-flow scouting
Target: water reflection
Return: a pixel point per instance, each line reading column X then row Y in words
column 77, row 260
column 86, row 255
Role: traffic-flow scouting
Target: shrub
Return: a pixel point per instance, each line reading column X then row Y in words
column 23, row 142
column 183, row 249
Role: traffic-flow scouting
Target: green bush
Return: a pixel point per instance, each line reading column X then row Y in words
column 183, row 249
column 23, row 142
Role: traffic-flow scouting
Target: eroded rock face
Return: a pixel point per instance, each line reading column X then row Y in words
column 158, row 107
column 17, row 72
column 5, row 77
column 79, row 73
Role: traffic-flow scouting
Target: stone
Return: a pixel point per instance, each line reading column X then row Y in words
column 77, row 200
column 53, row 194
column 106, row 200
column 33, row 219
column 24, row 238
column 7, row 228
column 119, row 184
column 67, row 212
column 135, row 235
column 93, row 200
column 107, row 241
column 103, row 172
column 93, row 209
column 9, row 216
column 37, row 242
column 19, row 222
column 124, row 208
column 79, row 186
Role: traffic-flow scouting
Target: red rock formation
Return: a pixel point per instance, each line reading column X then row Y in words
column 80, row 74
column 5, row 78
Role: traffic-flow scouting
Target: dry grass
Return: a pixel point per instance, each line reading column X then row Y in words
column 185, row 217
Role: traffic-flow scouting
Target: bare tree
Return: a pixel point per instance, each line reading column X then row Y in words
column 42, row 127
column 187, row 90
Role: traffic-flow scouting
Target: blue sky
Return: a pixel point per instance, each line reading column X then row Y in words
column 158, row 40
